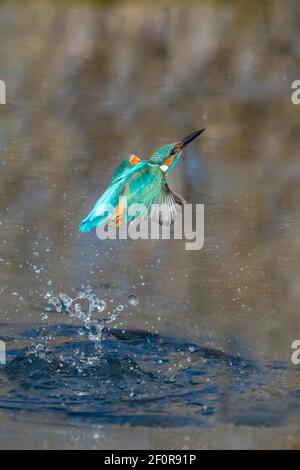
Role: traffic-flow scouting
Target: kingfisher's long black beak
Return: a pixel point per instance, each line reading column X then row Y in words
column 186, row 140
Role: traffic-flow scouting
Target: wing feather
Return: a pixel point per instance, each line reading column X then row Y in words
column 124, row 165
column 142, row 183
column 109, row 197
column 150, row 187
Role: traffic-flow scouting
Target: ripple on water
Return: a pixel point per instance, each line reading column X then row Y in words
column 135, row 377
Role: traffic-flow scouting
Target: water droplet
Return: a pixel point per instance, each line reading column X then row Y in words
column 133, row 300
column 77, row 308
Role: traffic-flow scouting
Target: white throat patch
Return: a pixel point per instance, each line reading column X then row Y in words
column 164, row 168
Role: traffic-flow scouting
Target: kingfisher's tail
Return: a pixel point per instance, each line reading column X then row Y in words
column 89, row 222
column 104, row 208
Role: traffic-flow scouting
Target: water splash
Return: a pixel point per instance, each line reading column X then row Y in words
column 86, row 307
column 88, row 371
column 94, row 315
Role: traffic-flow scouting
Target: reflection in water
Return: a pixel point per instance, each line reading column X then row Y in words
column 90, row 83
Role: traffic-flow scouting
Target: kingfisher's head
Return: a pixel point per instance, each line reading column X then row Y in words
column 167, row 156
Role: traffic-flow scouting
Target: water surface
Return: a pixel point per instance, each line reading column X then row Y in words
column 209, row 343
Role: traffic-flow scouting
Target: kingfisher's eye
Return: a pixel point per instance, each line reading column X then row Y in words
column 173, row 151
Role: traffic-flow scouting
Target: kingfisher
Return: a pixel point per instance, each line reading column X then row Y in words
column 142, row 182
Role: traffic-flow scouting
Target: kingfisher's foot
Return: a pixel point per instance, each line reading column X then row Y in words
column 117, row 219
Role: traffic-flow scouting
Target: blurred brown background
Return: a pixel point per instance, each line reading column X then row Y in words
column 89, row 83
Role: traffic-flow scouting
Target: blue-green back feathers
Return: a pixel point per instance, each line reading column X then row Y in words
column 110, row 196
column 141, row 182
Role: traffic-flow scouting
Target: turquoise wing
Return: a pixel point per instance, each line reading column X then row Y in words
column 148, row 188
column 124, row 165
column 142, row 183
column 109, row 198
